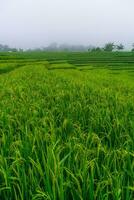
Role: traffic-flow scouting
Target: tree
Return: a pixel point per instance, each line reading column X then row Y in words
column 132, row 47
column 20, row 50
column 4, row 48
column 14, row 50
column 95, row 49
column 53, row 47
column 120, row 47
column 109, row 47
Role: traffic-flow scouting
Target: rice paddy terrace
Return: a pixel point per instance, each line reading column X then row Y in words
column 112, row 61
column 67, row 126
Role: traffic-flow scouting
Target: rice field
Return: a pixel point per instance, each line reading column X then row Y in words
column 66, row 126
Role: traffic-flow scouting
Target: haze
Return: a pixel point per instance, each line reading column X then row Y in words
column 37, row 23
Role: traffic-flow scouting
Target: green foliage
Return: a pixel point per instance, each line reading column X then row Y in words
column 109, row 47
column 67, row 126
column 120, row 47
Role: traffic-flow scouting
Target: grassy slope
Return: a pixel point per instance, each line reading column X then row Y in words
column 66, row 134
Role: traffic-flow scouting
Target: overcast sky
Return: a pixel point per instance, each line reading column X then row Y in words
column 37, row 23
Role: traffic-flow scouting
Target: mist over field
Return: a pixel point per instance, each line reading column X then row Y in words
column 36, row 23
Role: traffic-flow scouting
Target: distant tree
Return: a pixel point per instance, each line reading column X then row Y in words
column 95, row 49
column 132, row 47
column 52, row 47
column 20, row 50
column 120, row 47
column 14, row 50
column 4, row 48
column 109, row 47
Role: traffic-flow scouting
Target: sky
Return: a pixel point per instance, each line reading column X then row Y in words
column 37, row 23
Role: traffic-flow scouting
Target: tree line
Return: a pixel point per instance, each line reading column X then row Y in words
column 6, row 48
column 108, row 47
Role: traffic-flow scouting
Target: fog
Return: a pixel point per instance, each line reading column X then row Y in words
column 37, row 23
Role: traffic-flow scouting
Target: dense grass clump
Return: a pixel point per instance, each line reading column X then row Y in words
column 66, row 131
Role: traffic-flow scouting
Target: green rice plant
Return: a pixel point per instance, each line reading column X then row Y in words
column 66, row 134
